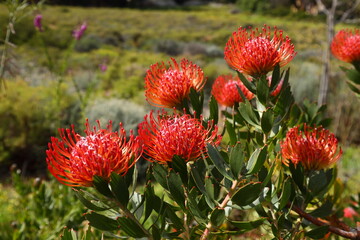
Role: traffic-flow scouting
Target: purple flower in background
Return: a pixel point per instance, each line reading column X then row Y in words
column 79, row 31
column 103, row 67
column 37, row 22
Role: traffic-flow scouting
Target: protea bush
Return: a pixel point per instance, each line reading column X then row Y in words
column 263, row 170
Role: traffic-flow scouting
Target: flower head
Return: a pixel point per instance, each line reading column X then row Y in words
column 79, row 31
column 349, row 212
column 169, row 86
column 37, row 22
column 346, row 46
column 314, row 148
column 225, row 90
column 256, row 52
column 74, row 160
column 165, row 136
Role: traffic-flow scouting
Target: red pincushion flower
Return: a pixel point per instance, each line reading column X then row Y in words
column 74, row 160
column 314, row 148
column 225, row 90
column 346, row 45
column 166, row 136
column 169, row 86
column 256, row 53
column 349, row 212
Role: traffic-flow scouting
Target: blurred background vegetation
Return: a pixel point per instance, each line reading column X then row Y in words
column 127, row 38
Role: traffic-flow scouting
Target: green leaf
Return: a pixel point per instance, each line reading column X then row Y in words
column 256, row 160
column 267, row 121
column 173, row 218
column 249, row 85
column 352, row 75
column 193, row 205
column 101, row 222
column 286, row 193
column 199, row 179
column 275, row 78
column 179, row 166
column 86, row 202
column 247, row 194
column 247, row 112
column 353, row 87
column 284, row 102
column 102, row 186
column 323, row 211
column 119, row 188
column 68, row 234
column 196, row 100
column 319, row 181
column 160, row 174
column 318, row 232
column 155, row 232
column 236, row 160
column 217, row 217
column 219, row 162
column 262, row 90
column 297, row 173
column 175, row 187
column 130, row 227
column 214, row 110
column 231, row 131
column 245, row 226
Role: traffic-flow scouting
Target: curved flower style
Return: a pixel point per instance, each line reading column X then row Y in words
column 225, row 90
column 74, row 160
column 314, row 148
column 256, row 53
column 346, row 46
column 166, row 136
column 168, row 87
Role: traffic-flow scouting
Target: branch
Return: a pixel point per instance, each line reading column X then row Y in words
column 349, row 11
column 352, row 234
column 322, row 7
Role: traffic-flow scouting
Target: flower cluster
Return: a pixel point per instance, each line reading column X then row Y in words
column 165, row 136
column 314, row 148
column 256, row 53
column 74, row 160
column 346, row 46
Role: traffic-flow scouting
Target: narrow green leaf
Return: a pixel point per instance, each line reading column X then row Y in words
column 175, row 187
column 262, row 90
column 219, row 162
column 68, row 234
column 352, row 75
column 173, row 218
column 267, row 121
column 193, row 205
column 102, row 186
column 245, row 226
column 284, row 102
column 286, row 193
column 236, row 160
column 247, row 112
column 275, row 78
column 155, row 232
column 319, row 181
column 196, row 101
column 119, row 188
column 179, row 165
column 130, row 227
column 217, row 217
column 353, row 87
column 249, row 85
column 231, row 131
column 199, row 179
column 324, row 210
column 160, row 174
column 297, row 174
column 101, row 222
column 247, row 194
column 86, row 202
column 318, row 232
column 214, row 110
column 256, row 160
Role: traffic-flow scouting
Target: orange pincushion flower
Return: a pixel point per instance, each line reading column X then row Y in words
column 346, row 45
column 182, row 135
column 225, row 90
column 314, row 148
column 169, row 86
column 256, row 53
column 74, row 160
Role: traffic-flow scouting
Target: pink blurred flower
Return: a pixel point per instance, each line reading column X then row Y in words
column 79, row 31
column 349, row 212
column 103, row 67
column 37, row 22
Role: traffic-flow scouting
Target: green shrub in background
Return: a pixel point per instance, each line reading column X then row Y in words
column 253, row 6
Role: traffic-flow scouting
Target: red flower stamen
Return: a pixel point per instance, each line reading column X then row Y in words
column 314, row 148
column 169, row 86
column 182, row 135
column 256, row 53
column 74, row 160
